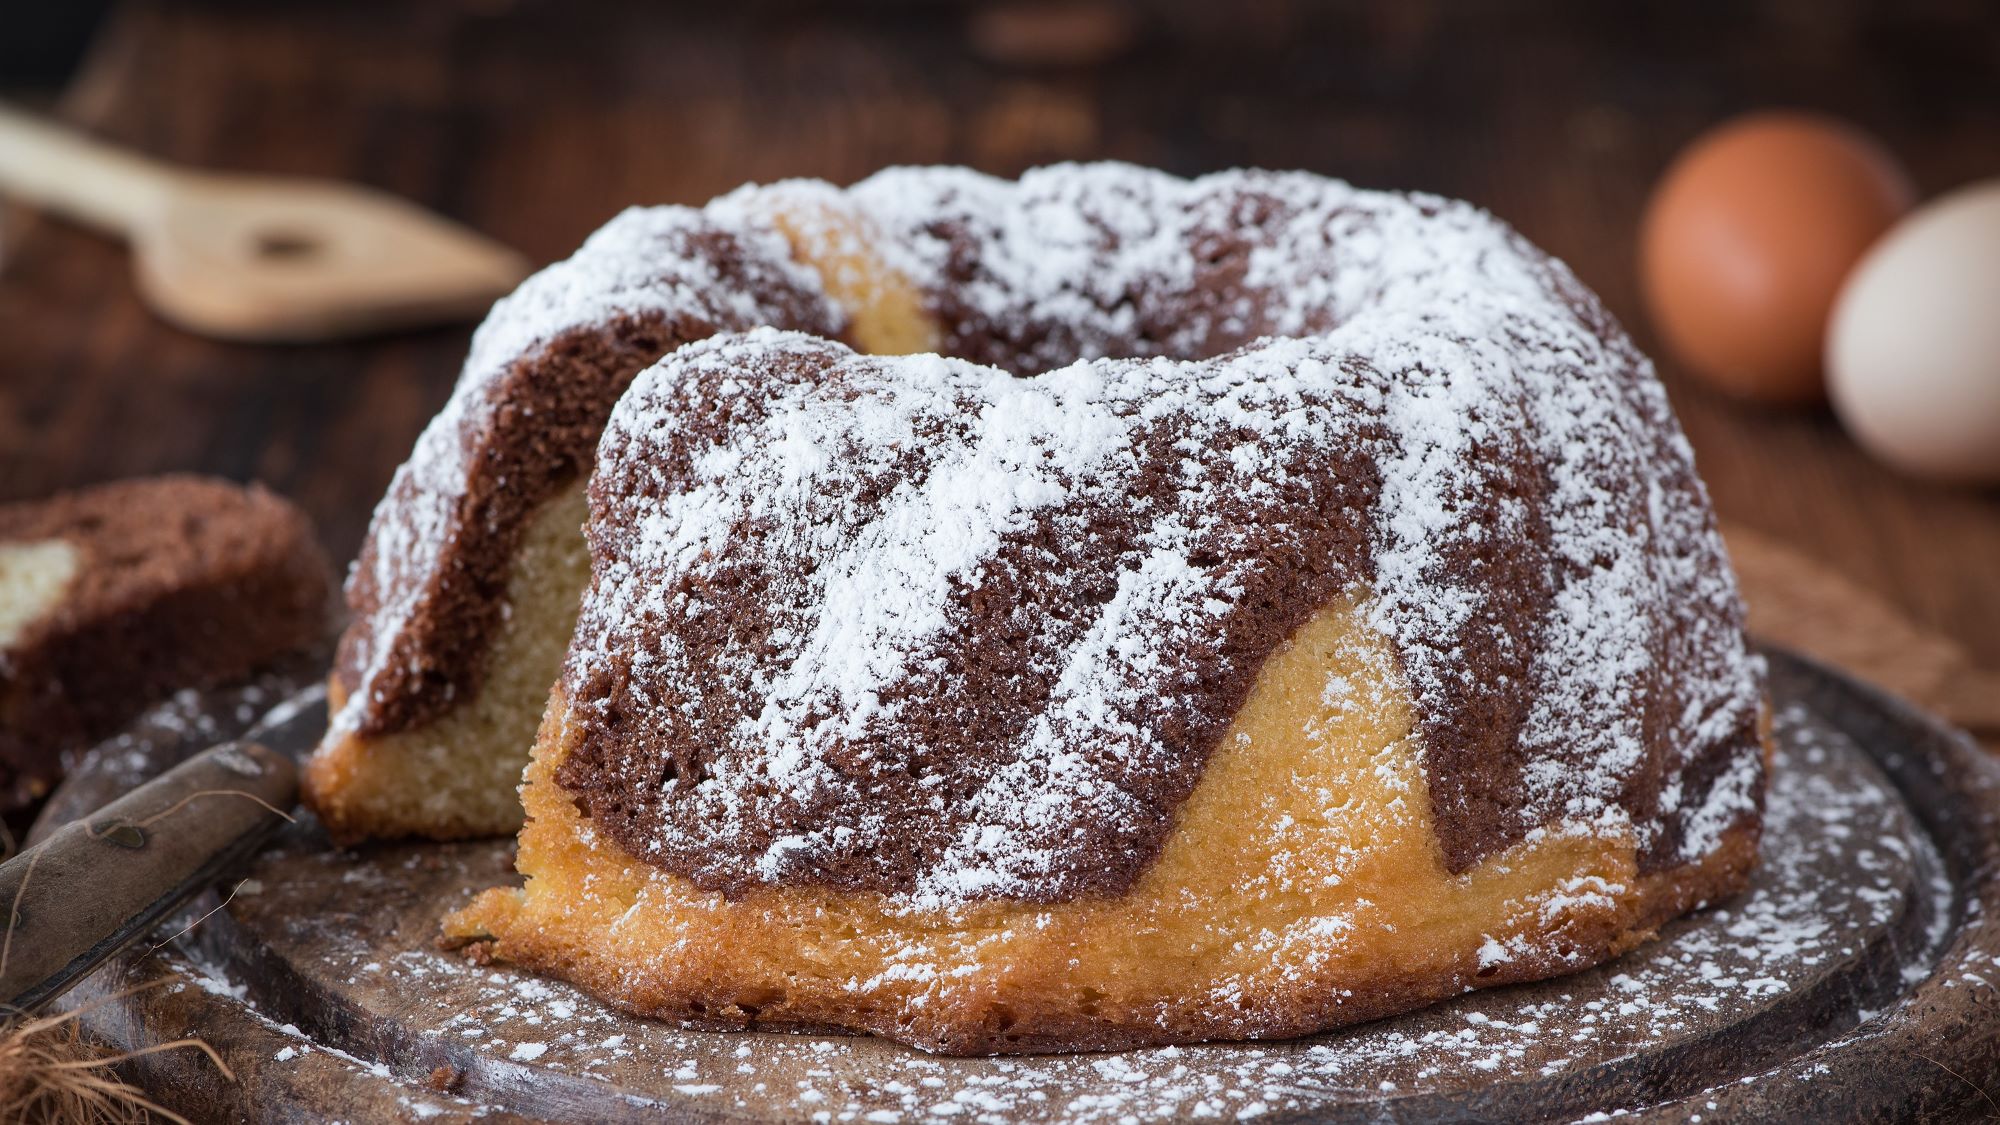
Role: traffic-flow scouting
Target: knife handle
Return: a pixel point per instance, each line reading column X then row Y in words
column 81, row 895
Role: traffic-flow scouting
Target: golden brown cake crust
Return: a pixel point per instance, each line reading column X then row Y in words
column 1244, row 929
column 181, row 581
column 1059, row 1028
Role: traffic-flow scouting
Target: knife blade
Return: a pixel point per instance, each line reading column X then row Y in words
column 101, row 881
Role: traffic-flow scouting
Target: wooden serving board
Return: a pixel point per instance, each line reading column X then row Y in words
column 1856, row 979
column 319, row 983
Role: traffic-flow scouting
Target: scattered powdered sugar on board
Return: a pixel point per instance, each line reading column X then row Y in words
column 173, row 730
column 299, row 1050
column 1843, row 864
column 188, row 718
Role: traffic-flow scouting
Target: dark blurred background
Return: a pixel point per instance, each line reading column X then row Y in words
column 536, row 121
column 45, row 42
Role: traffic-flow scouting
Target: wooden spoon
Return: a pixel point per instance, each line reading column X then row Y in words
column 261, row 258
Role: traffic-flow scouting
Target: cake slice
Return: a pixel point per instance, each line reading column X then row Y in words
column 116, row 596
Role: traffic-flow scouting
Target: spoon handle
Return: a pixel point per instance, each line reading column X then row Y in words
column 74, row 899
column 73, row 175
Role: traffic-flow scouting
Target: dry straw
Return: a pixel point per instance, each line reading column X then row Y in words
column 50, row 1073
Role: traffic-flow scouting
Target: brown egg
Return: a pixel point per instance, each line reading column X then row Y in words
column 1747, row 239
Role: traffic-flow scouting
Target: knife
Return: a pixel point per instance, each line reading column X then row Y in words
column 101, row 881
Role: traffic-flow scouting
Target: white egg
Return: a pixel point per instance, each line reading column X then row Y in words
column 1913, row 348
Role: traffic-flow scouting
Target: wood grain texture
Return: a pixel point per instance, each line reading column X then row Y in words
column 536, row 121
column 1809, row 607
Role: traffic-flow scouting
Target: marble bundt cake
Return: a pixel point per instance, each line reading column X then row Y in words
column 1333, row 622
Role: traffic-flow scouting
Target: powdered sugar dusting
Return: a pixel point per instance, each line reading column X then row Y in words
column 1523, row 447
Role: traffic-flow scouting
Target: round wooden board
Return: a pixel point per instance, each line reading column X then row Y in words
column 1856, row 980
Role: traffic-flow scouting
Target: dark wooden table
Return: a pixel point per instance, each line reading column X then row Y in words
column 537, row 121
